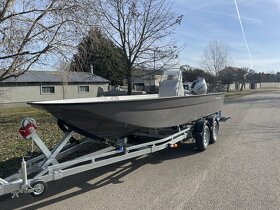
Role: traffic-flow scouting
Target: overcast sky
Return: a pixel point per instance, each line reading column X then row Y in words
column 206, row 20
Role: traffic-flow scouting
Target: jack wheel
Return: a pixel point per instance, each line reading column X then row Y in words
column 39, row 188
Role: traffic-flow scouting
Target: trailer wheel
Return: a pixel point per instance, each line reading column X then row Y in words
column 202, row 135
column 39, row 188
column 214, row 132
column 214, row 127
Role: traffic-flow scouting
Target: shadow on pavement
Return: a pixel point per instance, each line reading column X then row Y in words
column 9, row 166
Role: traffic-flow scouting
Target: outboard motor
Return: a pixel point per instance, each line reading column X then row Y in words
column 199, row 86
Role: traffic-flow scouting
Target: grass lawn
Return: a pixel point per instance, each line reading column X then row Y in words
column 12, row 145
column 234, row 94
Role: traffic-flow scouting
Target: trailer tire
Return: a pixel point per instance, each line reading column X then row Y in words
column 214, row 132
column 39, row 188
column 202, row 134
column 214, row 127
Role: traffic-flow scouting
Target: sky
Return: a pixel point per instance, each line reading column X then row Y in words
column 207, row 20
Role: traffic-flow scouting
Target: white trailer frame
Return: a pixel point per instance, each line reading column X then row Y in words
column 45, row 168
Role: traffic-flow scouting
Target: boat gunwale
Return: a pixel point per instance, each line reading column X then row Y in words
column 43, row 103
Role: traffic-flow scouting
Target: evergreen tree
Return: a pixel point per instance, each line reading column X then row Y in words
column 99, row 54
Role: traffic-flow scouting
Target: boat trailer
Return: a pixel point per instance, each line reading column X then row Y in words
column 34, row 174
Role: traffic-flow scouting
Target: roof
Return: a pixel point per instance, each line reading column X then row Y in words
column 56, row 77
column 144, row 72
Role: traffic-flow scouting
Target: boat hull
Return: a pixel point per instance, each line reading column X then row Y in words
column 117, row 118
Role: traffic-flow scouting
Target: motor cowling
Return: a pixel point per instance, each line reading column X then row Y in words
column 199, row 86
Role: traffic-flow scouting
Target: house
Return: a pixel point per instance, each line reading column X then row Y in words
column 50, row 85
column 146, row 80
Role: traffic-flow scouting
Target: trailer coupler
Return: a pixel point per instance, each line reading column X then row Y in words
column 221, row 118
column 224, row 119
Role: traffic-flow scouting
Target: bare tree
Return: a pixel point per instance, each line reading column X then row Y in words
column 141, row 28
column 216, row 57
column 30, row 30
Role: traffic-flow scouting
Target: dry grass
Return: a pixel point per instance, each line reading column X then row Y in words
column 234, row 94
column 12, row 145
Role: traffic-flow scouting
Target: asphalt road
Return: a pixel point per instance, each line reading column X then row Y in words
column 240, row 171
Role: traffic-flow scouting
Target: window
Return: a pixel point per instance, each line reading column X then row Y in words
column 83, row 89
column 170, row 76
column 47, row 90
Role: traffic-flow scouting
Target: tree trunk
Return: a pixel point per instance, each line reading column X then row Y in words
column 129, row 83
column 242, row 86
column 228, row 87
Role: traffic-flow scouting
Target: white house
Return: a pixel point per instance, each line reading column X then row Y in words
column 146, row 80
column 50, row 85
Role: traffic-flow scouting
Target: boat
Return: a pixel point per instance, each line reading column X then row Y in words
column 119, row 116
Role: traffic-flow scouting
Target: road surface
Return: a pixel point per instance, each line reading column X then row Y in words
column 240, row 171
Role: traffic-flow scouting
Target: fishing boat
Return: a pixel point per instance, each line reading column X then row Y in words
column 118, row 116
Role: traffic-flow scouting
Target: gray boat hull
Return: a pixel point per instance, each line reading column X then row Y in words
column 112, row 119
